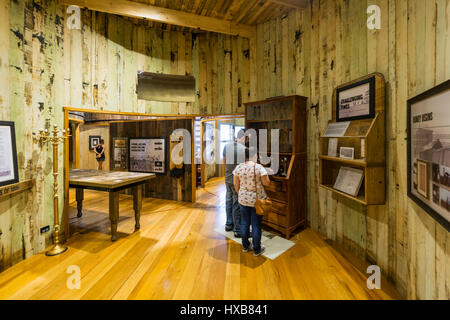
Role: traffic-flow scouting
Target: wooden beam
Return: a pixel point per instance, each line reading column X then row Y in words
column 296, row 4
column 163, row 15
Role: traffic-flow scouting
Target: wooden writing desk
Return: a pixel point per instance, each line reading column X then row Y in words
column 111, row 182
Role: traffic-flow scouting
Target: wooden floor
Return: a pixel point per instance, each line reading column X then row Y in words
column 177, row 255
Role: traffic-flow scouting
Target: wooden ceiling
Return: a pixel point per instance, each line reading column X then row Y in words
column 249, row 12
column 236, row 17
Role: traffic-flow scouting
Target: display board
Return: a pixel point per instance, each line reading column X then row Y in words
column 429, row 152
column 148, row 155
column 8, row 154
column 356, row 101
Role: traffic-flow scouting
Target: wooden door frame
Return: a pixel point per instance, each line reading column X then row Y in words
column 67, row 110
column 215, row 119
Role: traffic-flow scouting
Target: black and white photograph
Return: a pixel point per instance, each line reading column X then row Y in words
column 347, row 153
column 445, row 199
column 8, row 154
column 435, row 175
column 147, row 155
column 94, row 141
column 444, row 176
column 357, row 101
column 436, row 194
column 429, row 143
column 120, row 154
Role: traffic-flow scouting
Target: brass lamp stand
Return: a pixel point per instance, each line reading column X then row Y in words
column 45, row 137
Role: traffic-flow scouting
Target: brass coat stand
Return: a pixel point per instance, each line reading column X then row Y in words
column 45, row 137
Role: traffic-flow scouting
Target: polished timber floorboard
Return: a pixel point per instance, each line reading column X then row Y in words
column 177, row 255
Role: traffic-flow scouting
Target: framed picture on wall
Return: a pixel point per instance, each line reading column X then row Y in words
column 8, row 154
column 356, row 101
column 94, row 141
column 429, row 152
column 120, row 154
column 148, row 155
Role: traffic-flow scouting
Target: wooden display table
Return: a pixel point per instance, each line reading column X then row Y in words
column 112, row 182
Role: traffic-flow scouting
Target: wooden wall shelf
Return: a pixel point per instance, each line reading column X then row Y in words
column 11, row 189
column 372, row 161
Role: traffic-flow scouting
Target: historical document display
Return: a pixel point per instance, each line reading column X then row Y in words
column 349, row 181
column 147, row 155
column 429, row 152
column 120, row 154
column 356, row 101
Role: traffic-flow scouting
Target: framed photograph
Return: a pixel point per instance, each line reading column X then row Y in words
column 429, row 152
column 148, row 155
column 120, row 154
column 356, row 101
column 94, row 141
column 9, row 173
column 349, row 180
column 347, row 153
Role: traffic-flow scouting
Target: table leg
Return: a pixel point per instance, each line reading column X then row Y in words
column 137, row 204
column 80, row 198
column 114, row 213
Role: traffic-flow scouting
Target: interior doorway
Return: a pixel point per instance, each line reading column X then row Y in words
column 216, row 133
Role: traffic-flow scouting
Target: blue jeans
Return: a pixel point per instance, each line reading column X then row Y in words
column 232, row 208
column 249, row 216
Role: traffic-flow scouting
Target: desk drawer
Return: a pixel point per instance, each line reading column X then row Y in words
column 280, row 208
column 275, row 186
column 275, row 218
column 277, row 195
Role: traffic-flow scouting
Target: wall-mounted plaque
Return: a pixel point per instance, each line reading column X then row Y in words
column 429, row 152
column 8, row 154
column 356, row 101
column 148, row 155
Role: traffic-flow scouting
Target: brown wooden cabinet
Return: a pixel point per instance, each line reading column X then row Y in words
column 287, row 189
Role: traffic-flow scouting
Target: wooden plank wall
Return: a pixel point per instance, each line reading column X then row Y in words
column 310, row 53
column 44, row 66
column 114, row 49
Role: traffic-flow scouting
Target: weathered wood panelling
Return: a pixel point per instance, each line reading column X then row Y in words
column 329, row 44
column 44, row 65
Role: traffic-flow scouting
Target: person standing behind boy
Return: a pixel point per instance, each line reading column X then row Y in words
column 233, row 154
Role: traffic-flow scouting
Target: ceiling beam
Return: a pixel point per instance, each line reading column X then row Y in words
column 297, row 4
column 163, row 15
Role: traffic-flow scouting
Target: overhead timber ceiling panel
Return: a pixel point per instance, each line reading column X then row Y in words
column 240, row 14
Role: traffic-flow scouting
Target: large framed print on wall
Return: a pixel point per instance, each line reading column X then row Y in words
column 429, row 152
column 148, row 155
column 356, row 101
column 8, row 154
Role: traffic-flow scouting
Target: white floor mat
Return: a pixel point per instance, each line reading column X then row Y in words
column 275, row 245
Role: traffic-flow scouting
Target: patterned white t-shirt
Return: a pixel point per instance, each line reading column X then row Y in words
column 247, row 192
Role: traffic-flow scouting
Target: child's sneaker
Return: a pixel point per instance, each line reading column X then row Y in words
column 263, row 249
